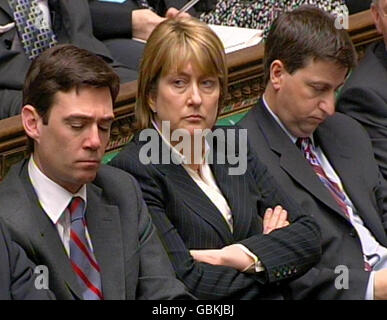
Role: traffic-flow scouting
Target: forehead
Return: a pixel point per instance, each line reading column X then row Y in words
column 178, row 58
column 322, row 71
column 188, row 68
column 95, row 102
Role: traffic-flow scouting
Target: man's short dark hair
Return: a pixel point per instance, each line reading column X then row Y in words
column 63, row 68
column 307, row 33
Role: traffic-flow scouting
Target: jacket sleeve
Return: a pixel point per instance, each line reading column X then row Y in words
column 288, row 252
column 367, row 106
column 112, row 20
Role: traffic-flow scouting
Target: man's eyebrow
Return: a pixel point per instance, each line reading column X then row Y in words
column 86, row 117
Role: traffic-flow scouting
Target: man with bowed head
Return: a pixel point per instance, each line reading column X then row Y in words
column 85, row 221
column 323, row 159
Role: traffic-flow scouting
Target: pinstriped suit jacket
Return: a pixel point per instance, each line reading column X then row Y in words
column 186, row 219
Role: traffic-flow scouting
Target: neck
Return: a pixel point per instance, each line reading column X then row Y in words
column 270, row 98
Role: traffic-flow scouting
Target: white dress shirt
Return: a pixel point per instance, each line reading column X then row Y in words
column 54, row 200
column 373, row 253
column 43, row 6
column 204, row 178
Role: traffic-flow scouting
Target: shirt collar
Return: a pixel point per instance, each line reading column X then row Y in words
column 292, row 137
column 180, row 157
column 53, row 198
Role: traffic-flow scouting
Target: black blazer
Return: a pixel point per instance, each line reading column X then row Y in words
column 187, row 219
column 348, row 149
column 132, row 260
column 17, row 278
column 364, row 98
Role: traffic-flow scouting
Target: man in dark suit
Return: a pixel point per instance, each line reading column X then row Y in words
column 334, row 176
column 17, row 278
column 364, row 95
column 70, row 22
column 87, row 223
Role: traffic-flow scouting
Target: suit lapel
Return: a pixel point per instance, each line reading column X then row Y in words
column 46, row 238
column 340, row 157
column 236, row 191
column 103, row 223
column 196, row 199
column 5, row 6
column 291, row 158
column 191, row 193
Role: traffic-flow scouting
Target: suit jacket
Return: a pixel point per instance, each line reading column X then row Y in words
column 364, row 98
column 17, row 278
column 349, row 151
column 187, row 219
column 72, row 24
column 119, row 23
column 133, row 263
column 357, row 5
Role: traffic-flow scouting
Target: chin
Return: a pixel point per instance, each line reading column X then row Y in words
column 87, row 177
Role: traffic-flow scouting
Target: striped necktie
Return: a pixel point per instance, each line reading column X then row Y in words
column 307, row 148
column 81, row 256
column 310, row 154
column 35, row 34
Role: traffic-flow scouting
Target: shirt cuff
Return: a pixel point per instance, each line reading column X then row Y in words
column 255, row 266
column 370, row 287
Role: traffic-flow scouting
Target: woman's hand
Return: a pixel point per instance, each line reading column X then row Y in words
column 231, row 256
column 275, row 219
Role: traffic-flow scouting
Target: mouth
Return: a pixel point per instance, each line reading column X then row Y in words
column 317, row 119
column 194, row 117
column 90, row 162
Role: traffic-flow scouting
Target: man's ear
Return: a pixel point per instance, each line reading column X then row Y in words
column 277, row 71
column 32, row 122
column 376, row 16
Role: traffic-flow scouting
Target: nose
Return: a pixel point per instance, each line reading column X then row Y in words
column 93, row 139
column 195, row 98
column 328, row 104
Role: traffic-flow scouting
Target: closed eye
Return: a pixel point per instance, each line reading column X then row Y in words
column 104, row 128
column 77, row 125
column 319, row 88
